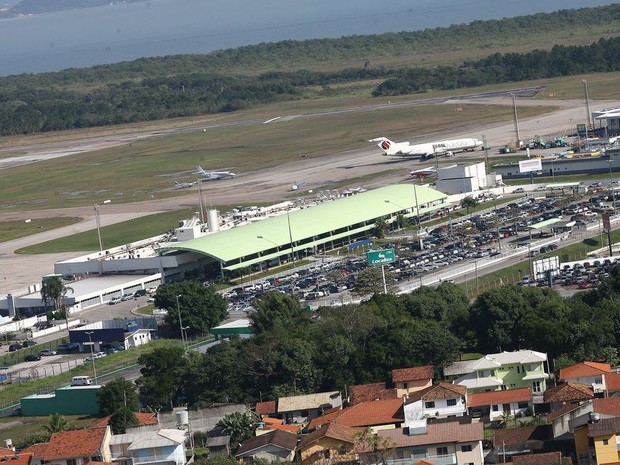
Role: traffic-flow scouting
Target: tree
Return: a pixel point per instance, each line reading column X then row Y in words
column 116, row 394
column 380, row 229
column 162, row 383
column 370, row 281
column 123, row 418
column 276, row 309
column 240, row 426
column 53, row 292
column 56, row 423
column 469, row 203
column 373, row 449
column 200, row 307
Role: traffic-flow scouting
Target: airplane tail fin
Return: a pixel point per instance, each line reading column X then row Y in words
column 200, row 169
column 383, row 142
column 176, row 183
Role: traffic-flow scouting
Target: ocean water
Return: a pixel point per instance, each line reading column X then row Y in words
column 120, row 32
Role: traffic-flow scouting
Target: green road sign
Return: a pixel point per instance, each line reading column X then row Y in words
column 381, row 257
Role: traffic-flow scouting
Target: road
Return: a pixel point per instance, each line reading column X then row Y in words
column 270, row 184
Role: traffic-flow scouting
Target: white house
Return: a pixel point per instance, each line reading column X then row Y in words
column 591, row 373
column 441, row 401
column 162, row 447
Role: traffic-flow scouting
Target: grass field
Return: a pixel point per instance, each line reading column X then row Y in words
column 10, row 230
column 146, row 169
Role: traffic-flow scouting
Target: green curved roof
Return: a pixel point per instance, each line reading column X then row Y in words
column 319, row 224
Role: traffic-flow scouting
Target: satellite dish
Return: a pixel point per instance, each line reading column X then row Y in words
column 294, row 187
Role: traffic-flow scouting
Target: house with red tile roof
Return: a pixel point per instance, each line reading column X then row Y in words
column 407, row 380
column 612, row 383
column 571, row 416
column 77, row 447
column 15, row 458
column 300, row 409
column 146, row 422
column 509, row 442
column 597, row 442
column 446, row 443
column 333, row 443
column 567, row 393
column 375, row 414
column 443, row 400
column 591, row 373
column 275, row 446
column 36, row 451
column 493, row 404
column 374, row 391
column 545, row 458
column 270, row 424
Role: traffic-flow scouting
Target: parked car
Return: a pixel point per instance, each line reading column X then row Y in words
column 29, row 343
column 32, row 358
column 15, row 347
column 139, row 293
column 47, row 352
column 115, row 300
column 127, row 296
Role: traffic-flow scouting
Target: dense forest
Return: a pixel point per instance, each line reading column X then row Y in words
column 177, row 86
column 294, row 351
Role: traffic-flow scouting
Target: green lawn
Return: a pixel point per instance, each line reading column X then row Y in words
column 10, row 230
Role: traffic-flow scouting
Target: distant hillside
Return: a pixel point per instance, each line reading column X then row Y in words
column 33, row 7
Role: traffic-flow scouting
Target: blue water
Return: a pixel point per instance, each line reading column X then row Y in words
column 109, row 34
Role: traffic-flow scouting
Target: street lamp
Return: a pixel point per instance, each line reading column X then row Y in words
column 180, row 322
column 98, row 222
column 290, row 235
column 92, row 355
column 271, row 242
column 588, row 116
column 184, row 329
column 516, row 120
column 611, row 184
column 399, row 206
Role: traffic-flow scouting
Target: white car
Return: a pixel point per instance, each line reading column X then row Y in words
column 115, row 300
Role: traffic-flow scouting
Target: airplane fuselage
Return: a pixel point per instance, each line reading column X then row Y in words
column 430, row 149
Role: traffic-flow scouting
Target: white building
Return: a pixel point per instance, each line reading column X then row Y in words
column 459, row 179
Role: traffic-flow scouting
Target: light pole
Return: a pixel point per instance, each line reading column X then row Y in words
column 290, row 235
column 611, row 184
column 184, row 329
column 271, row 242
column 399, row 206
column 180, row 322
column 92, row 355
column 98, row 222
column 516, row 121
column 588, row 116
column 486, row 152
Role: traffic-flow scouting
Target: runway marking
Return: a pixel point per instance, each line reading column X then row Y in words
column 272, row 119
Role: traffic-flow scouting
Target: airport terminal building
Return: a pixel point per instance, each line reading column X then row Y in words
column 257, row 243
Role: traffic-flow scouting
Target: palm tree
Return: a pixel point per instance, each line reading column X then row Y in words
column 56, row 423
column 53, row 292
column 469, row 202
column 239, row 426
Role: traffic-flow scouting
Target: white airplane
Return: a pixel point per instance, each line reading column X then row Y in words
column 211, row 175
column 428, row 150
column 183, row 185
column 424, row 172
